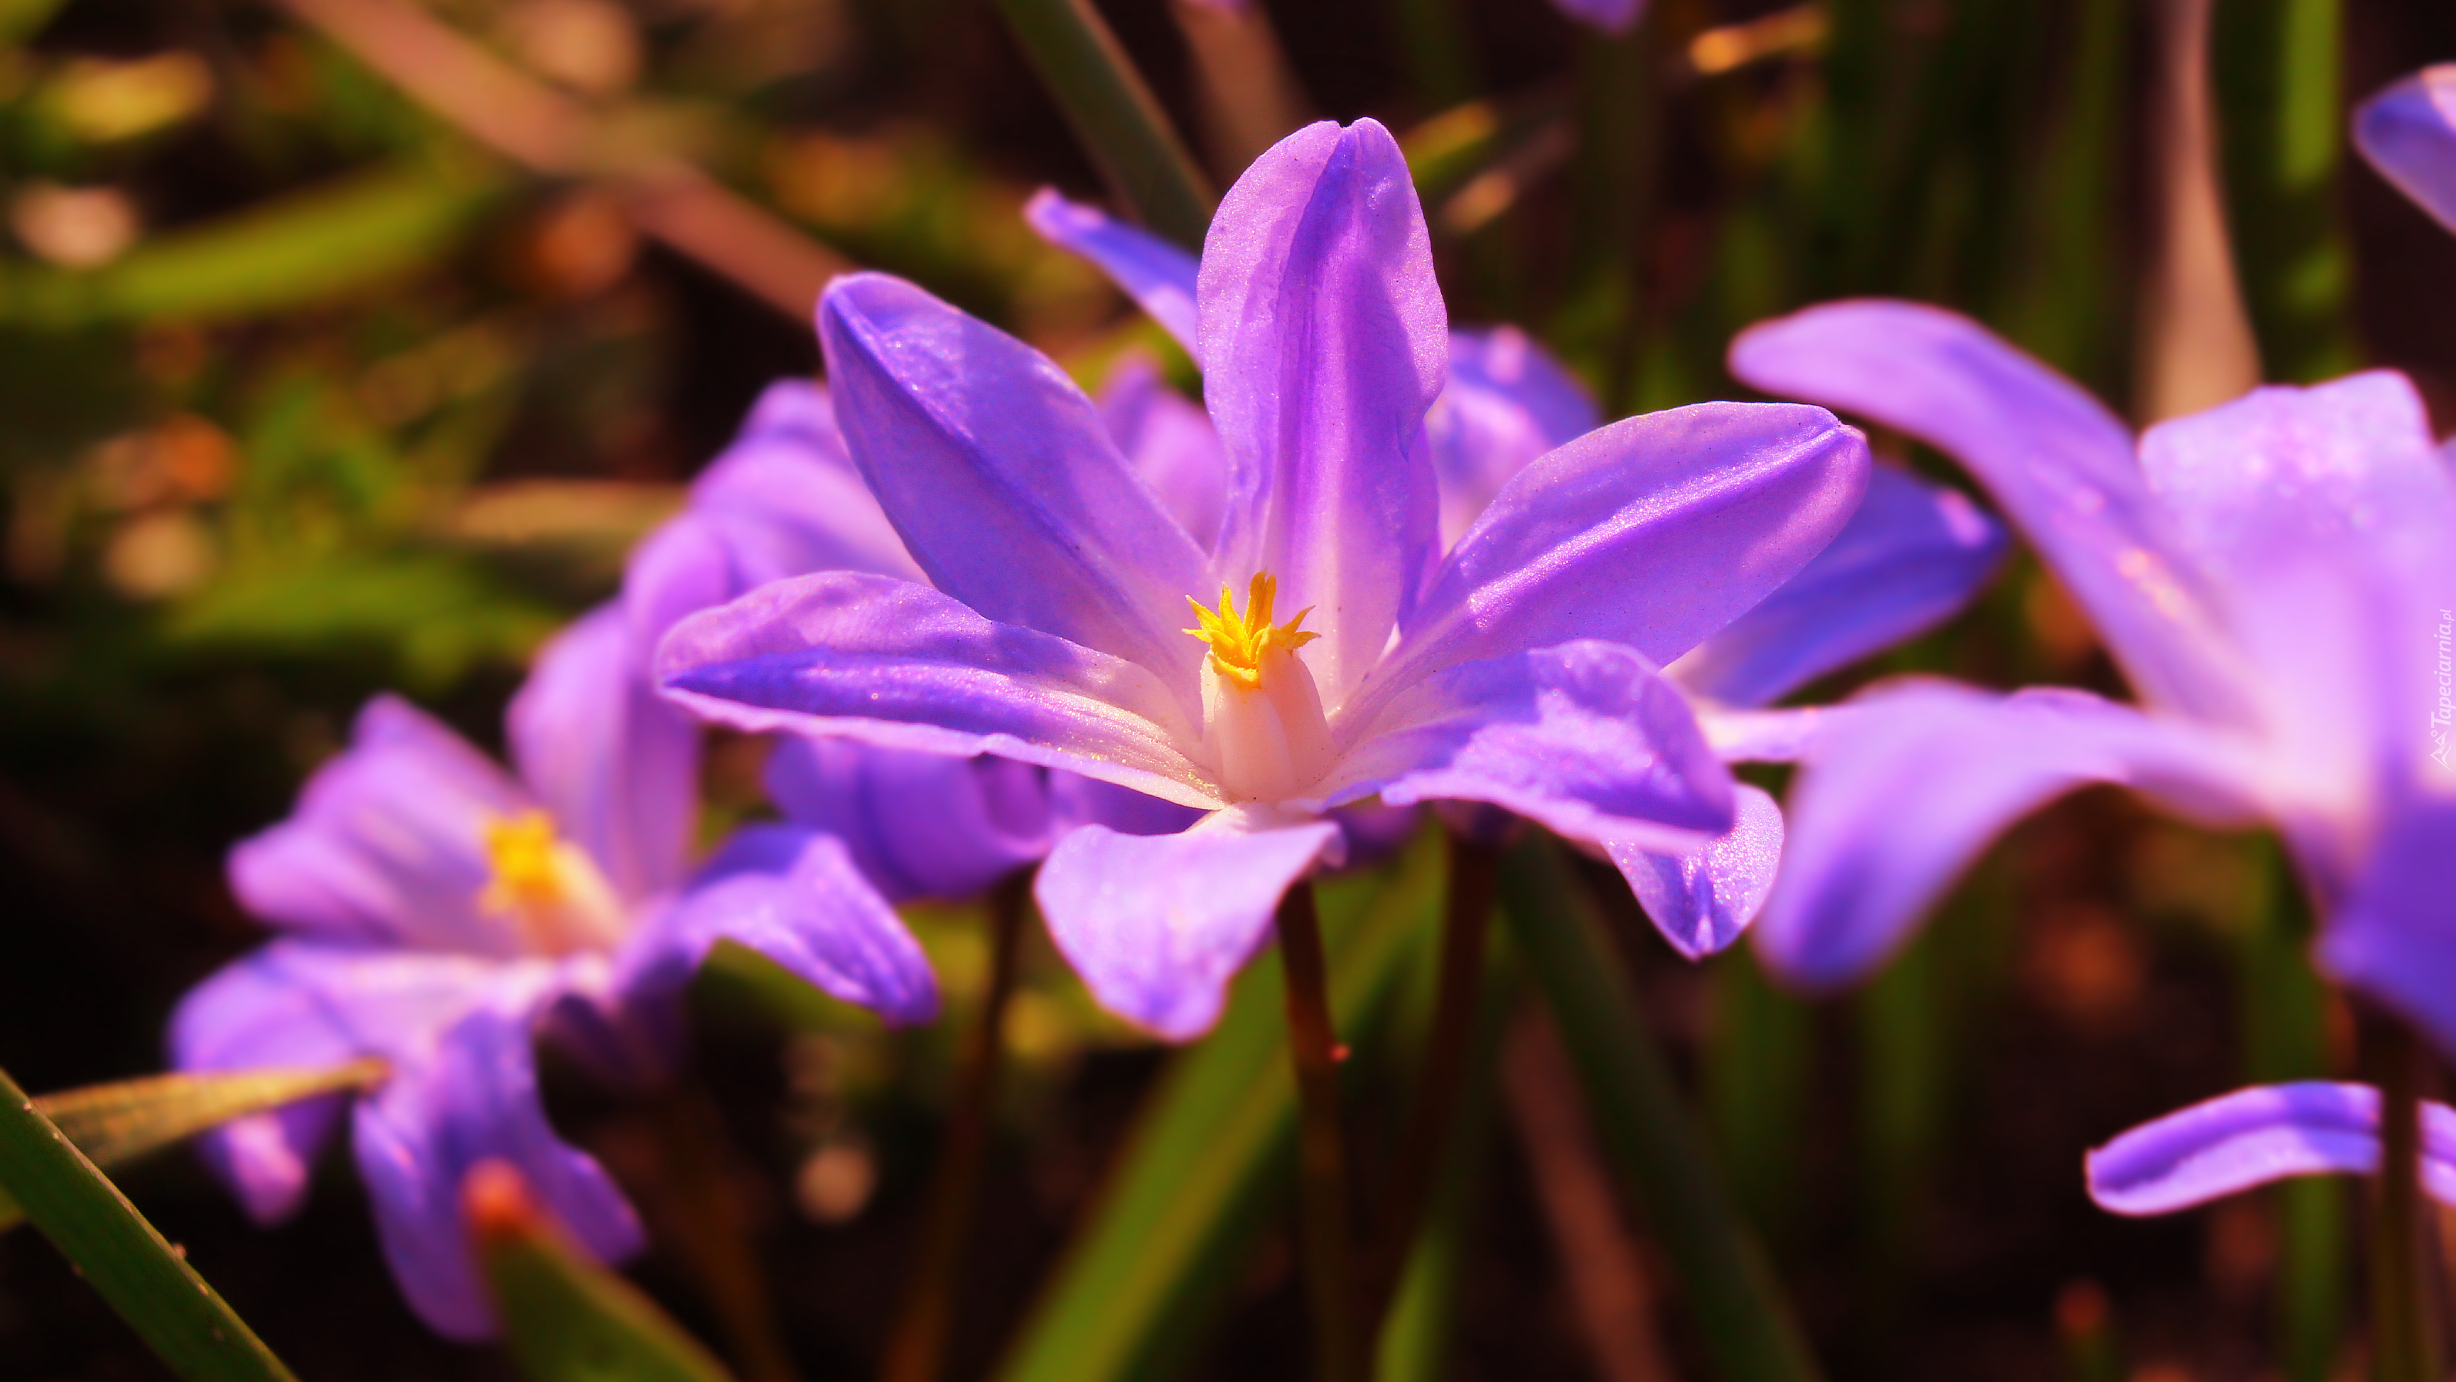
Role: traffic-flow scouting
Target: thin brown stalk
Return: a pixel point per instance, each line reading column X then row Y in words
column 528, row 122
column 917, row 1346
column 2196, row 347
column 697, row 1212
column 1607, row 1276
column 1475, row 871
column 1327, row 1220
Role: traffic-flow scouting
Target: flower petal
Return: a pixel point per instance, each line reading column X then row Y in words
column 2328, row 519
column 1324, row 341
column 2058, row 465
column 313, row 1003
column 2408, row 132
column 1507, row 402
column 1611, row 16
column 2254, row 1136
column 1158, row 924
column 905, row 667
column 616, row 765
column 2394, row 937
column 476, row 1100
column 387, row 843
column 1587, row 738
column 917, row 824
column 1703, row 898
column 1003, row 483
column 1653, row 531
column 795, row 896
column 1159, row 276
column 1170, row 443
column 1911, row 557
column 1906, row 785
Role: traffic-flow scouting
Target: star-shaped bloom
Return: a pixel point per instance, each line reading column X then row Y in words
column 1521, row 670
column 1911, row 556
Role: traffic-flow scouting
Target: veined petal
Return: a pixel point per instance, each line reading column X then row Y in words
column 1587, row 738
column 1701, row 899
column 1324, row 341
column 997, row 473
column 2408, row 132
column 2249, row 1138
column 387, row 843
column 1911, row 557
column 616, row 765
column 1653, row 531
column 2057, row 463
column 795, row 896
column 917, row 824
column 476, row 1100
column 2394, row 938
column 1158, row 924
column 1159, row 276
column 314, row 1003
column 1507, row 402
column 1908, row 783
column 1170, row 443
column 905, row 667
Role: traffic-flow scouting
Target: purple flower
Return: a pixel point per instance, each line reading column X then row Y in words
column 2252, row 1137
column 1911, row 555
column 440, row 912
column 1611, row 16
column 2408, row 132
column 1336, row 654
column 2273, row 576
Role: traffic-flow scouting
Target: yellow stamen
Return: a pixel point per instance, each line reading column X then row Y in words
column 1239, row 641
column 520, row 849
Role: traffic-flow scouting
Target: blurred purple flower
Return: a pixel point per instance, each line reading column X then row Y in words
column 1911, row 555
column 1345, row 658
column 2408, row 132
column 1611, row 16
column 2252, row 1137
column 439, row 911
column 2274, row 576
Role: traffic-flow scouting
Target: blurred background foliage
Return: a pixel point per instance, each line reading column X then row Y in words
column 311, row 386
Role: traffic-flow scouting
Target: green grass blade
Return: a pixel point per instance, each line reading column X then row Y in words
column 1655, row 1149
column 1214, row 1153
column 1114, row 113
column 142, row 1276
column 114, row 1124
column 566, row 1318
column 300, row 250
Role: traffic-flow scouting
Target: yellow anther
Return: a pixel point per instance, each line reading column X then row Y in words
column 521, row 851
column 1239, row 641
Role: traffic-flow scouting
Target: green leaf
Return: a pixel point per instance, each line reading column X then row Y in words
column 114, row 1124
column 1113, row 112
column 1214, row 1152
column 1656, row 1151
column 566, row 1318
column 329, row 242
column 143, row 1277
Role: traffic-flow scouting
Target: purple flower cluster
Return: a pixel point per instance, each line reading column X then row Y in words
column 1176, row 658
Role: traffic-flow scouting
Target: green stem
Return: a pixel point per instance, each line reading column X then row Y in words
column 1114, row 113
column 1466, row 922
column 917, row 1347
column 2402, row 1340
column 145, row 1279
column 1322, row 1175
column 1660, row 1157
